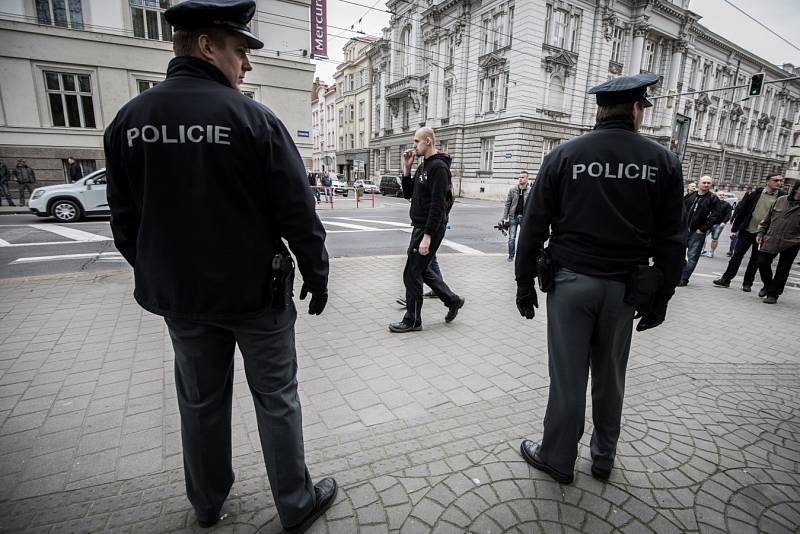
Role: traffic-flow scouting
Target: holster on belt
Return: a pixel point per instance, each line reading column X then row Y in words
column 546, row 270
column 282, row 283
column 642, row 284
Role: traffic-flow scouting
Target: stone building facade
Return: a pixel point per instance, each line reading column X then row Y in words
column 323, row 128
column 66, row 73
column 504, row 81
column 353, row 109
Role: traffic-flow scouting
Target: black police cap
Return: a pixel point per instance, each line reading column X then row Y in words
column 230, row 14
column 624, row 89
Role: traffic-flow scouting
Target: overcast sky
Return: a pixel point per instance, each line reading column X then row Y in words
column 782, row 16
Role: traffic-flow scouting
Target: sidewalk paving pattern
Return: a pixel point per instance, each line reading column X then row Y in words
column 422, row 430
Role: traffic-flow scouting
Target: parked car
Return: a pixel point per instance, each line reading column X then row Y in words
column 391, row 185
column 730, row 198
column 368, row 186
column 339, row 185
column 72, row 202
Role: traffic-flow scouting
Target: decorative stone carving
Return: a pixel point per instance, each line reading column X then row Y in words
column 609, row 22
column 640, row 29
column 736, row 111
column 561, row 61
column 615, row 67
column 763, row 121
column 458, row 29
column 680, row 45
column 702, row 102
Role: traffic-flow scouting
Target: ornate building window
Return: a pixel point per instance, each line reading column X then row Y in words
column 405, row 52
column 149, row 21
column 616, row 44
column 64, row 13
column 510, row 25
column 487, row 154
column 562, row 27
column 555, row 93
column 649, row 62
column 70, row 98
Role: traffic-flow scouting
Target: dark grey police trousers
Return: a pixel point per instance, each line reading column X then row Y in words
column 204, row 352
column 588, row 327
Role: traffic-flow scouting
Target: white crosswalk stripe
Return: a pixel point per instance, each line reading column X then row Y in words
column 458, row 247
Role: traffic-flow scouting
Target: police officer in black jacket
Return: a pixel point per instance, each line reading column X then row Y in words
column 608, row 201
column 203, row 183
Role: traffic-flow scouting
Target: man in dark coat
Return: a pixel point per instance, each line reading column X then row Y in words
column 5, row 176
column 74, row 170
column 608, row 201
column 211, row 259
column 779, row 234
column 25, row 178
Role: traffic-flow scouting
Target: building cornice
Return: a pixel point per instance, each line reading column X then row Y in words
column 6, row 25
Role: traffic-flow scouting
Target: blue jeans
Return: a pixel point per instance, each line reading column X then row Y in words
column 694, row 246
column 513, row 225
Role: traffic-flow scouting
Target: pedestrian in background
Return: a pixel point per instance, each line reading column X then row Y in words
column 5, row 176
column 722, row 217
column 74, row 170
column 608, row 201
column 779, row 234
column 702, row 213
column 25, row 178
column 227, row 280
column 749, row 214
column 430, row 191
column 326, row 185
column 312, row 183
column 513, row 210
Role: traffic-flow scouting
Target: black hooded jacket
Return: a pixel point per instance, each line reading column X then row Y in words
column 428, row 191
column 608, row 200
column 203, row 183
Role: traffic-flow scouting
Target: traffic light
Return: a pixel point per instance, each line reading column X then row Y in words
column 756, row 84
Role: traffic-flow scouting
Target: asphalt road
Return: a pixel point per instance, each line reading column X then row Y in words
column 32, row 246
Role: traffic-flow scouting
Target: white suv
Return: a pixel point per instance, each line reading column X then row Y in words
column 70, row 202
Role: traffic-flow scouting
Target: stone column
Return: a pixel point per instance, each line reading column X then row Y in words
column 678, row 50
column 639, row 31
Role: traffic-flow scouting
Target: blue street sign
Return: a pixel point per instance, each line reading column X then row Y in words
column 303, row 133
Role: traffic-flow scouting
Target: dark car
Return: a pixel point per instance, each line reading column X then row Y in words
column 390, row 185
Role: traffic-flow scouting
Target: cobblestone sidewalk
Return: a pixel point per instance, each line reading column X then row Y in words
column 421, row 431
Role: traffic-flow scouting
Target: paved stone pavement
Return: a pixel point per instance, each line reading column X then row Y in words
column 421, row 430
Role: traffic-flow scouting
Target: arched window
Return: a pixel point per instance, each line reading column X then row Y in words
column 405, row 52
column 555, row 93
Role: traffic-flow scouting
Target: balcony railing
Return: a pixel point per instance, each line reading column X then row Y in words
column 403, row 86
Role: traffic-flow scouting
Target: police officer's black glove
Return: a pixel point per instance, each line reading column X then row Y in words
column 653, row 314
column 527, row 300
column 318, row 300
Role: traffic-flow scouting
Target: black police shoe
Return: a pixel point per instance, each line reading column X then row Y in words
column 208, row 523
column 721, row 282
column 402, row 327
column 747, row 288
column 762, row 293
column 600, row 473
column 530, row 452
column 452, row 311
column 770, row 300
column 326, row 494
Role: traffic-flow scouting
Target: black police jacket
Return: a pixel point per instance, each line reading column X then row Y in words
column 428, row 191
column 608, row 200
column 203, row 183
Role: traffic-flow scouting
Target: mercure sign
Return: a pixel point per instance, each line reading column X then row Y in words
column 319, row 28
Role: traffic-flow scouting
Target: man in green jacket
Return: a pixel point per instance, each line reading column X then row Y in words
column 779, row 233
